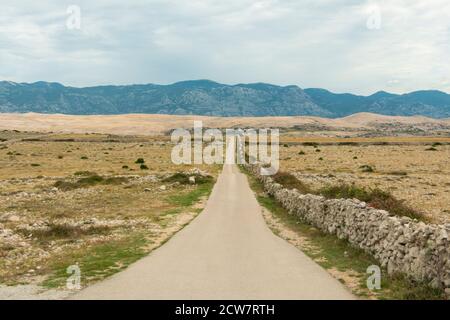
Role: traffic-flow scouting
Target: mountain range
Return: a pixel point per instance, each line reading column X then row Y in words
column 204, row 97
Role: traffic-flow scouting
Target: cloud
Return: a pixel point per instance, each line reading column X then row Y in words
column 309, row 43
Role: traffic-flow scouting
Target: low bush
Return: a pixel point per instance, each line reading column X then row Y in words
column 64, row 231
column 366, row 168
column 310, row 144
column 348, row 143
column 398, row 173
column 183, row 178
column 375, row 198
column 289, row 181
column 89, row 181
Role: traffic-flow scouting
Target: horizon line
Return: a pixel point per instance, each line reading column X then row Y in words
column 220, row 83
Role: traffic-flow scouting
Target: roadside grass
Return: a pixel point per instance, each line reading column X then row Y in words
column 102, row 260
column 335, row 254
column 99, row 261
column 188, row 199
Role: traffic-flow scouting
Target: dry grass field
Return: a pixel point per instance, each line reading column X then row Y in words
column 103, row 200
column 86, row 199
column 413, row 169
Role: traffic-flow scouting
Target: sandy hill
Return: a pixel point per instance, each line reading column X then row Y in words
column 144, row 124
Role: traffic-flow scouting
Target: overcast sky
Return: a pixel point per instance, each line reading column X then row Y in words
column 344, row 46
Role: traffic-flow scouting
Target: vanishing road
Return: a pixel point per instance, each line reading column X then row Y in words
column 227, row 252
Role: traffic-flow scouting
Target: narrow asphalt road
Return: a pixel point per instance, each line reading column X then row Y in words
column 227, row 252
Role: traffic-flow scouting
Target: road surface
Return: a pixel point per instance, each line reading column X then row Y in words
column 227, row 252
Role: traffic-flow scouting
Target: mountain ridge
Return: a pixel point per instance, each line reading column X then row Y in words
column 210, row 98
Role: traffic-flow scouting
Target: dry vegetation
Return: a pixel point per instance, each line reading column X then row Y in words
column 414, row 170
column 86, row 199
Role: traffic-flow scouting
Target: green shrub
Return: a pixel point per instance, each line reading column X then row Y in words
column 89, row 181
column 289, row 181
column 64, row 231
column 140, row 161
column 375, row 198
column 366, row 168
column 399, row 173
column 84, row 158
column 348, row 143
column 310, row 144
column 301, row 153
column 143, row 167
column 183, row 178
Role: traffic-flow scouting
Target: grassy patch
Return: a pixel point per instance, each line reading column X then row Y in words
column 102, row 260
column 333, row 253
column 99, row 261
column 188, row 199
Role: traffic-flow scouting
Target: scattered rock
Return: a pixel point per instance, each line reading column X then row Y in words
column 9, row 217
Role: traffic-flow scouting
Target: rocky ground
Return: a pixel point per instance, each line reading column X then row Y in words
column 417, row 173
column 76, row 207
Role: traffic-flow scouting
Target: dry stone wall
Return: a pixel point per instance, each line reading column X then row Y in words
column 400, row 244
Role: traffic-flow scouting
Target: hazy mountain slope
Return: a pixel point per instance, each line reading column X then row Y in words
column 429, row 103
column 203, row 97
